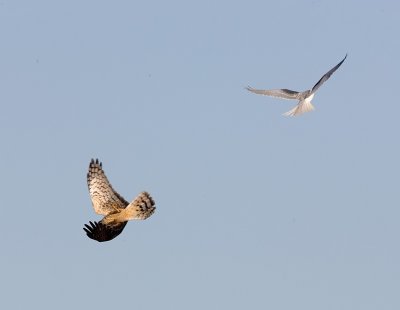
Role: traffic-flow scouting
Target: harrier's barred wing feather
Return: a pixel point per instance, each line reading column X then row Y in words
column 326, row 76
column 280, row 93
column 105, row 199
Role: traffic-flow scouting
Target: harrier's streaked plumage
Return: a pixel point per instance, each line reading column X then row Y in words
column 304, row 97
column 116, row 210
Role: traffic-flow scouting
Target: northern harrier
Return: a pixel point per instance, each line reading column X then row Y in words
column 304, row 97
column 116, row 210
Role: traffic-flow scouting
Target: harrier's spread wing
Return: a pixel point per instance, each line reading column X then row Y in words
column 280, row 93
column 101, row 232
column 326, row 76
column 105, row 199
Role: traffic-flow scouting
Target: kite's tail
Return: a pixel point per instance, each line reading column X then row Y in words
column 302, row 107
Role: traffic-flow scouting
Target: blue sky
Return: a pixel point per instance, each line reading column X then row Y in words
column 254, row 210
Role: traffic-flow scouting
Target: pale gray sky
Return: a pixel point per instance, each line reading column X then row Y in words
column 254, row 210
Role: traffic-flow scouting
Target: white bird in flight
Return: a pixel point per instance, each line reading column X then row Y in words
column 304, row 97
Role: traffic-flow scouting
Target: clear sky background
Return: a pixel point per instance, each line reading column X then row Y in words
column 254, row 210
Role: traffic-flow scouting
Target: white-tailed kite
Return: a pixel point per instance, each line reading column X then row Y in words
column 304, row 97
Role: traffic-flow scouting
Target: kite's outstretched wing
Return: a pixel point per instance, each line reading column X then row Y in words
column 280, row 93
column 326, row 76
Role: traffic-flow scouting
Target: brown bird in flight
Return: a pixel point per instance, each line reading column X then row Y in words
column 304, row 97
column 116, row 210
